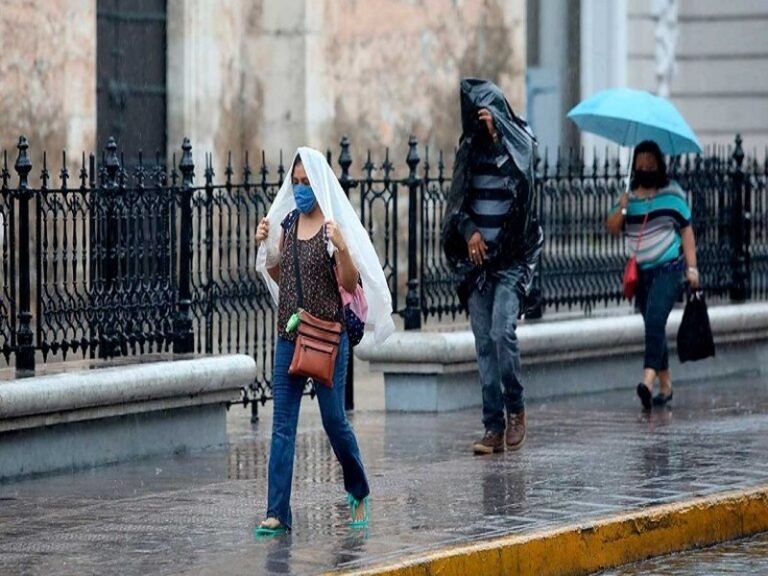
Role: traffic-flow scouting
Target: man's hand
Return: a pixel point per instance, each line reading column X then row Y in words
column 477, row 248
column 486, row 117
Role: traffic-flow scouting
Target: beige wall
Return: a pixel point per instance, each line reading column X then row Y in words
column 253, row 74
column 721, row 83
column 275, row 75
column 392, row 66
column 48, row 76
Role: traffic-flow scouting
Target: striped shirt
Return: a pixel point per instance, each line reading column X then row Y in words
column 493, row 184
column 668, row 213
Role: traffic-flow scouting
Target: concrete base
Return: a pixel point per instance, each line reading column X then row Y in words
column 109, row 440
column 624, row 372
column 80, row 419
column 435, row 372
column 432, row 392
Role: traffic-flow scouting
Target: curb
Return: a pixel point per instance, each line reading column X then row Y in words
column 582, row 549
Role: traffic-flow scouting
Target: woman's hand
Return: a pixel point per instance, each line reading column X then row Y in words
column 333, row 234
column 477, row 249
column 624, row 201
column 692, row 275
column 346, row 270
column 689, row 250
column 262, row 231
column 615, row 221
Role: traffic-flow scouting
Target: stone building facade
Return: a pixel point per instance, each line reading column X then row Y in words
column 258, row 74
column 709, row 57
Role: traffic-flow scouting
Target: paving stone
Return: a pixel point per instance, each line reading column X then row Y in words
column 587, row 457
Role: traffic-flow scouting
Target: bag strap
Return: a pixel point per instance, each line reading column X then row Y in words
column 296, row 270
column 642, row 229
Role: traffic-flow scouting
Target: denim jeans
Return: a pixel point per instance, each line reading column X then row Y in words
column 493, row 314
column 287, row 392
column 658, row 290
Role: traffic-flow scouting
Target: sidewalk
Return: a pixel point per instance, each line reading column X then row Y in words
column 587, row 457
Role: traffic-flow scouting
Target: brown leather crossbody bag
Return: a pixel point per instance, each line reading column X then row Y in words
column 317, row 342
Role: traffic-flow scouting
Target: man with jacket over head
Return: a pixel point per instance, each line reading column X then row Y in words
column 492, row 241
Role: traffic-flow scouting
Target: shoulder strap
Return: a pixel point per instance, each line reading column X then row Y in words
column 296, row 270
column 642, row 229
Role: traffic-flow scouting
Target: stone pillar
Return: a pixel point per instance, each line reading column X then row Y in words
column 603, row 54
column 276, row 55
column 204, row 40
column 665, row 36
column 319, row 89
column 79, row 98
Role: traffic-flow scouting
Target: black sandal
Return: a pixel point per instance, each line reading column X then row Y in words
column 645, row 396
column 663, row 399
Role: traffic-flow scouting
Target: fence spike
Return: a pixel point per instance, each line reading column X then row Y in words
column 247, row 170
column 64, row 173
column 281, row 167
column 44, row 175
column 83, row 172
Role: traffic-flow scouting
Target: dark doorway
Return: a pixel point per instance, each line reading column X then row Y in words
column 131, row 83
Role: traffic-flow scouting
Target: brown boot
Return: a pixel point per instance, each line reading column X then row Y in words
column 491, row 442
column 516, row 432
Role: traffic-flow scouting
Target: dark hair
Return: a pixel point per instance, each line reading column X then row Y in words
column 296, row 162
column 650, row 147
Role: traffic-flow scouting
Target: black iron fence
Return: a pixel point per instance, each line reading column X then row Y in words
column 110, row 261
column 581, row 265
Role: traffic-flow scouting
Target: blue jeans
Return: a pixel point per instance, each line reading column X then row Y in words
column 493, row 313
column 658, row 290
column 287, row 392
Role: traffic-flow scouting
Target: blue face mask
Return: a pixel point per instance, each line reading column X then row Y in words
column 305, row 198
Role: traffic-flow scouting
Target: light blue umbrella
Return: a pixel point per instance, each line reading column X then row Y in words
column 628, row 117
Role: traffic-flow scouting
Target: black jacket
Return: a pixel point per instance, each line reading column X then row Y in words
column 521, row 237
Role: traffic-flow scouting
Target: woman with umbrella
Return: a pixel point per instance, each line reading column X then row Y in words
column 656, row 221
column 653, row 213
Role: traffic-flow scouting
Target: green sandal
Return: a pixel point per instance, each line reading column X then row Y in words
column 354, row 504
column 262, row 531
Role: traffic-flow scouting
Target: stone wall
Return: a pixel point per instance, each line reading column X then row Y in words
column 253, row 74
column 392, row 67
column 48, row 77
column 259, row 74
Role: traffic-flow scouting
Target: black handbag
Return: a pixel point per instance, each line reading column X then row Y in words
column 694, row 337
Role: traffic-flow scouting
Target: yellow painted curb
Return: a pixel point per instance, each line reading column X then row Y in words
column 586, row 548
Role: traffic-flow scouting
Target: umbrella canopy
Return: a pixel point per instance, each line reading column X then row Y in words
column 628, row 117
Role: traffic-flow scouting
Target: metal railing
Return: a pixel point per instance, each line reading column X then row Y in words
column 117, row 262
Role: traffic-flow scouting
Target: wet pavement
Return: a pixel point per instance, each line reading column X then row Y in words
column 586, row 457
column 730, row 559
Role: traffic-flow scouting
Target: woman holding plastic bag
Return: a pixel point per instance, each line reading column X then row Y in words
column 656, row 221
column 322, row 271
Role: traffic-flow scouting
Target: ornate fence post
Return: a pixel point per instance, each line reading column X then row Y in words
column 412, row 313
column 183, row 334
column 740, row 275
column 345, row 161
column 25, row 356
column 109, row 235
